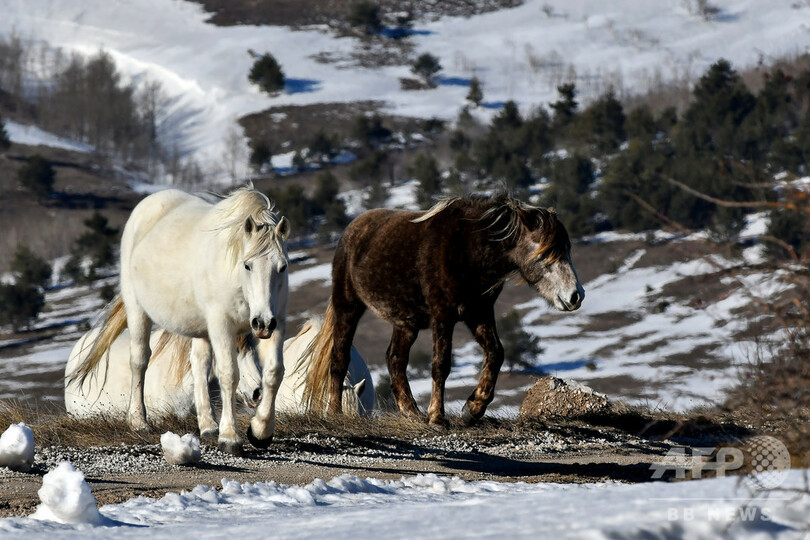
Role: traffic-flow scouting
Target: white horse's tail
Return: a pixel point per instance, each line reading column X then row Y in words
column 319, row 353
column 114, row 323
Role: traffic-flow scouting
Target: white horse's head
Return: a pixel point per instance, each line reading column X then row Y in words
column 543, row 257
column 249, row 388
column 352, row 406
column 257, row 243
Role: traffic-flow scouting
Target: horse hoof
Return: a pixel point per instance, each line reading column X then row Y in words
column 233, row 448
column 439, row 424
column 466, row 417
column 258, row 443
column 209, row 435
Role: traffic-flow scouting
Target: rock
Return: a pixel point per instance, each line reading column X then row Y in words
column 551, row 396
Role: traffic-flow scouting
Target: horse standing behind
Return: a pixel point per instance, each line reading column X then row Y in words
column 169, row 388
column 207, row 271
column 433, row 269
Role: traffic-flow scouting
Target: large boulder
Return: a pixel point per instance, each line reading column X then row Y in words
column 551, row 396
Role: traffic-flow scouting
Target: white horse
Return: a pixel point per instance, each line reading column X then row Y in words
column 169, row 387
column 210, row 271
column 358, row 387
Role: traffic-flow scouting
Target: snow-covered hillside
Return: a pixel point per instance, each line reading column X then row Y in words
column 520, row 54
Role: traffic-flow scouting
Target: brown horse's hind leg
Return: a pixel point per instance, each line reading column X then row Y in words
column 346, row 320
column 483, row 329
column 440, row 369
column 397, row 357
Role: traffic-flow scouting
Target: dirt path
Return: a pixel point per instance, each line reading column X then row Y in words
column 117, row 473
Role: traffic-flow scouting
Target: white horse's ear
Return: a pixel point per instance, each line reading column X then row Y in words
column 249, row 225
column 283, row 228
column 359, row 387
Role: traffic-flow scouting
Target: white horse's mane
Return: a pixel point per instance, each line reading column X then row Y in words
column 232, row 212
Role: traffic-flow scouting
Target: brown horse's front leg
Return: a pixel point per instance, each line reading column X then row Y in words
column 344, row 329
column 483, row 329
column 397, row 357
column 440, row 369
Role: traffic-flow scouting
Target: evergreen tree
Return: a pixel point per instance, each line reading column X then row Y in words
column 426, row 171
column 475, row 95
column 20, row 304
column 520, row 348
column 322, row 147
column 267, row 74
column 29, row 268
column 602, row 124
column 326, row 192
column 640, row 124
column 5, row 140
column 94, row 246
column 426, row 66
column 370, row 131
column 566, row 106
column 570, row 181
column 260, row 155
column 38, row 176
column 366, row 16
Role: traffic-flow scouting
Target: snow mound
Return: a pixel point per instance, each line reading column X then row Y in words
column 66, row 498
column 179, row 450
column 17, row 448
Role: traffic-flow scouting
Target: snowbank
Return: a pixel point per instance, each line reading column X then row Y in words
column 348, row 507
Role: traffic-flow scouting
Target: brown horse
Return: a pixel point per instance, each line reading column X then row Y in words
column 433, row 269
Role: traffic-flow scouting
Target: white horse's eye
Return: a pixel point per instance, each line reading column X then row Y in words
column 247, row 267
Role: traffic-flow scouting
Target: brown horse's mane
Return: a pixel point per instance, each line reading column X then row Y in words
column 505, row 217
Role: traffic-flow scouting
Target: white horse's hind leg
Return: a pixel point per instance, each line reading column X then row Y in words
column 224, row 344
column 140, row 328
column 263, row 424
column 200, row 371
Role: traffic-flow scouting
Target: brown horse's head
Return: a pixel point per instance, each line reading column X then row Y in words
column 543, row 256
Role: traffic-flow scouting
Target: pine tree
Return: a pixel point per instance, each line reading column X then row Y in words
column 475, row 95
column 365, row 15
column 426, row 66
column 5, row 140
column 38, row 176
column 566, row 106
column 426, row 171
column 267, row 74
column 29, row 268
column 260, row 155
column 520, row 348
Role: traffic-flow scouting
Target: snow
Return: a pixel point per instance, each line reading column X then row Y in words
column 17, row 448
column 34, row 136
column 426, row 505
column 520, row 53
column 321, row 273
column 66, row 498
column 179, row 450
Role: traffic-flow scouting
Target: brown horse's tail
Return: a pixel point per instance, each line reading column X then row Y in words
column 319, row 352
column 114, row 323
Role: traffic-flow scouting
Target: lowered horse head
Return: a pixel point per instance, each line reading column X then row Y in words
column 541, row 252
column 256, row 241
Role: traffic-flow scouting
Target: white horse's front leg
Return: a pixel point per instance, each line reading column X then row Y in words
column 200, row 371
column 224, row 344
column 263, row 424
